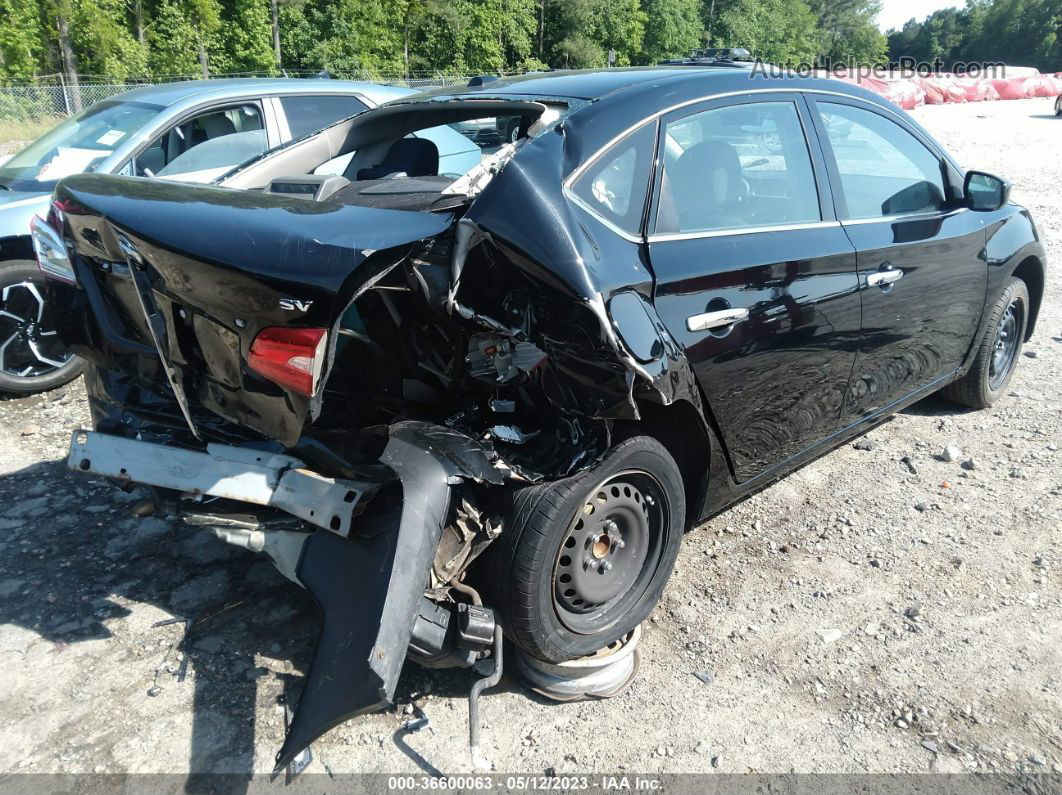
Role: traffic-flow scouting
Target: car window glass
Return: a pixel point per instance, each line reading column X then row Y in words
column 190, row 133
column 616, row 184
column 309, row 114
column 214, row 157
column 736, row 167
column 78, row 144
column 884, row 170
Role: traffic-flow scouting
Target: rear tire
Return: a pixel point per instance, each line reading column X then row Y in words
column 998, row 352
column 22, row 283
column 584, row 560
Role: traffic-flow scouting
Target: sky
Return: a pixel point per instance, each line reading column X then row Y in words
column 894, row 13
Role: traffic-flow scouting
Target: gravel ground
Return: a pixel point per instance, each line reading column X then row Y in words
column 862, row 615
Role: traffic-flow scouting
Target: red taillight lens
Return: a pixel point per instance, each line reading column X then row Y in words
column 291, row 357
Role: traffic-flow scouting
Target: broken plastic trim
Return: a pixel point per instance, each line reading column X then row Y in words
column 369, row 588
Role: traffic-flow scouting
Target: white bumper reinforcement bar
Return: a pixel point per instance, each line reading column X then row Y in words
column 235, row 473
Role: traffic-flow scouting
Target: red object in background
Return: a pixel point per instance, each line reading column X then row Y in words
column 1041, row 86
column 935, row 94
column 905, row 93
column 976, row 89
column 1010, row 89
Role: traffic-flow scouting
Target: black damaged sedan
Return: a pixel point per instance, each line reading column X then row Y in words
column 454, row 406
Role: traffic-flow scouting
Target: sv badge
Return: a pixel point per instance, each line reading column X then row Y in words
column 295, row 305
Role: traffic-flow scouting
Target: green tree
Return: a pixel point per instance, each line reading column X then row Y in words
column 848, row 32
column 20, row 38
column 358, row 35
column 567, row 36
column 104, row 41
column 621, row 27
column 244, row 41
column 754, row 24
column 173, row 40
column 1016, row 32
column 673, row 28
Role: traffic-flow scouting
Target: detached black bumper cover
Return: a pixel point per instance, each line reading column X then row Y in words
column 368, row 574
column 369, row 588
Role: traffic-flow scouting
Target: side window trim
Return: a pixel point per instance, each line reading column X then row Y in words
column 834, row 172
column 276, row 122
column 816, row 154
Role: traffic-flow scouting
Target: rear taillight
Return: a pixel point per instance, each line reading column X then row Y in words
column 52, row 256
column 291, row 357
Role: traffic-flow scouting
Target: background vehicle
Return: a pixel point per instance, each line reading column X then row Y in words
column 186, row 131
column 640, row 312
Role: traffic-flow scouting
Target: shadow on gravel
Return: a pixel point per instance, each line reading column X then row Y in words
column 73, row 559
column 935, row 406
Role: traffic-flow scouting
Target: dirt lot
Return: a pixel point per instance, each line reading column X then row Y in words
column 858, row 616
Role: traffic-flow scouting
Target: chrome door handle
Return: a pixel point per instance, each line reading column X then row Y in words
column 710, row 320
column 884, row 278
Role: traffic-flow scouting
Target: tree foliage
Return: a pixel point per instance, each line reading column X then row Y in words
column 1017, row 32
column 126, row 39
column 754, row 23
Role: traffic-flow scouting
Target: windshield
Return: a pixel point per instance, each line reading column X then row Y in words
column 75, row 146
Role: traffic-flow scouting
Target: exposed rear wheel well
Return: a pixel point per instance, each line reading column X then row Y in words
column 680, row 429
column 16, row 247
column 1031, row 271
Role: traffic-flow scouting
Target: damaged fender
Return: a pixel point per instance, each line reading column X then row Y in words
column 585, row 296
column 369, row 586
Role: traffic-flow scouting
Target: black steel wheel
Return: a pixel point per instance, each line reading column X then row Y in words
column 998, row 352
column 582, row 561
column 613, row 546
column 1006, row 344
column 32, row 359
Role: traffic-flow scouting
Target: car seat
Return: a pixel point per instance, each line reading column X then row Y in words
column 416, row 157
column 210, row 127
column 708, row 188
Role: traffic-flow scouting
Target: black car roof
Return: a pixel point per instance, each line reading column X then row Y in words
column 574, row 84
column 608, row 102
column 611, row 100
column 595, row 84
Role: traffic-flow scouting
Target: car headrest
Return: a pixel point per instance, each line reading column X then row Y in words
column 712, row 170
column 216, row 125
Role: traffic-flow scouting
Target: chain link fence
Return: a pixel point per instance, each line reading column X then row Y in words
column 53, row 97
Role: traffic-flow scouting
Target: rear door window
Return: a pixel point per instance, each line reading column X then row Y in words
column 615, row 186
column 884, row 170
column 307, row 114
column 736, row 167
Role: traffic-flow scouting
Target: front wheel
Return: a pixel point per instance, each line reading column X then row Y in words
column 584, row 560
column 1058, row 106
column 31, row 357
column 998, row 351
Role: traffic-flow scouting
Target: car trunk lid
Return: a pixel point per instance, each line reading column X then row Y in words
column 199, row 287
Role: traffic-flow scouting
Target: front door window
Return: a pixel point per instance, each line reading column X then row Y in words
column 206, row 145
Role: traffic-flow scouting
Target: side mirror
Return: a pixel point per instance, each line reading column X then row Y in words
column 985, row 192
